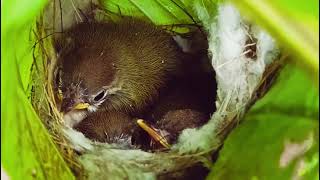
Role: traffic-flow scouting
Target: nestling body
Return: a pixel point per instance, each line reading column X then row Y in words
column 119, row 66
column 114, row 128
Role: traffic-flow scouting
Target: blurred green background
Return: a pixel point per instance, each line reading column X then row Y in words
column 277, row 140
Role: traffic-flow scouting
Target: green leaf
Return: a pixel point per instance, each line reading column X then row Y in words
column 295, row 24
column 27, row 150
column 164, row 12
column 281, row 127
column 161, row 12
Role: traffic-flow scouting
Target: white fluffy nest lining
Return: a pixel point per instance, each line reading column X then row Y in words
column 238, row 77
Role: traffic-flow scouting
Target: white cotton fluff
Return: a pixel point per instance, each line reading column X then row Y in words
column 237, row 75
column 79, row 142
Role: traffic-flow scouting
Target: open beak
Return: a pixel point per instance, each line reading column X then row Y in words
column 154, row 134
column 80, row 106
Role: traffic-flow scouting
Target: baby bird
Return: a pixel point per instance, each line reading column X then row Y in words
column 111, row 127
column 114, row 128
column 188, row 104
column 182, row 107
column 119, row 66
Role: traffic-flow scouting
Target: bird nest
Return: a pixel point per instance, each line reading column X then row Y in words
column 245, row 59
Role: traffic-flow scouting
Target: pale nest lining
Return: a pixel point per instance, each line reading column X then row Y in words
column 238, row 76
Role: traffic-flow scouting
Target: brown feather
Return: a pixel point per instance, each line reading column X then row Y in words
column 106, row 126
column 114, row 127
column 132, row 56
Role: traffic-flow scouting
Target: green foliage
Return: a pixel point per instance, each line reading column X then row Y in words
column 287, row 115
column 27, row 151
column 164, row 12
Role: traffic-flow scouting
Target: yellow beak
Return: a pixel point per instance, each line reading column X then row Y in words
column 81, row 106
column 156, row 136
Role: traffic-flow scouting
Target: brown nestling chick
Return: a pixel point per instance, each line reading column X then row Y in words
column 105, row 126
column 113, row 127
column 118, row 66
column 188, row 104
